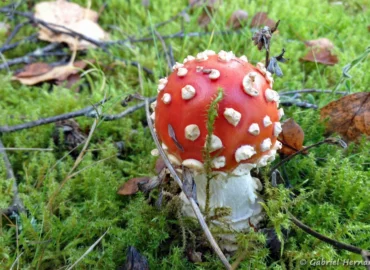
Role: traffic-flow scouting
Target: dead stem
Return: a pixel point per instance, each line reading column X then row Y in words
column 17, row 204
column 327, row 140
column 193, row 204
column 324, row 238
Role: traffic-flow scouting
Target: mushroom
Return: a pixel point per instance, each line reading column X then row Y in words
column 244, row 137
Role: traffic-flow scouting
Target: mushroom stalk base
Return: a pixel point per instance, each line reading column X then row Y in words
column 236, row 192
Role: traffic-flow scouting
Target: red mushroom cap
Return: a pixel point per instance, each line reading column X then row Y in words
column 247, row 125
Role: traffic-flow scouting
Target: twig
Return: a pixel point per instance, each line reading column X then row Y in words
column 17, row 204
column 112, row 117
column 170, row 54
column 311, row 90
column 327, row 140
column 54, row 27
column 28, row 58
column 176, row 35
column 75, row 165
column 15, row 32
column 301, row 104
column 8, row 47
column 324, row 238
column 194, row 205
column 26, row 149
column 134, row 64
column 16, row 261
column 44, row 121
column 88, row 250
column 163, row 43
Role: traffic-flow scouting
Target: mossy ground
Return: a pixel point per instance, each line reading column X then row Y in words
column 333, row 184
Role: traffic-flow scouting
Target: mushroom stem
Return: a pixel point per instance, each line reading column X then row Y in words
column 237, row 192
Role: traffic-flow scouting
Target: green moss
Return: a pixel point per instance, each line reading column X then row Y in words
column 330, row 185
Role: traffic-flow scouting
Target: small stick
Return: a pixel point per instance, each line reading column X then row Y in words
column 311, row 90
column 44, row 121
column 194, row 205
column 53, row 27
column 324, row 238
column 15, row 32
column 163, row 43
column 135, row 64
column 7, row 47
column 327, row 140
column 17, row 204
column 26, row 149
column 176, row 35
column 301, row 104
column 28, row 58
column 107, row 117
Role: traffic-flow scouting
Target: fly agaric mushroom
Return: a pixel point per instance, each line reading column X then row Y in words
column 245, row 131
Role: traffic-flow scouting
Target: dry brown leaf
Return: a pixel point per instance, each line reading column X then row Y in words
column 209, row 6
column 324, row 57
column 59, row 73
column 322, row 43
column 320, row 52
column 238, row 19
column 291, row 137
column 72, row 16
column 34, row 69
column 261, row 19
column 70, row 82
column 349, row 116
column 207, row 3
column 159, row 165
column 132, row 186
column 204, row 19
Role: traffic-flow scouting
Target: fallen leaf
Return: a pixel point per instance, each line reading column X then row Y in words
column 205, row 18
column 238, row 19
column 322, row 43
column 58, row 73
column 34, row 69
column 159, row 165
column 291, row 137
column 70, row 82
column 324, row 57
column 132, row 186
column 320, row 52
column 261, row 19
column 65, row 14
column 349, row 116
column 207, row 3
column 209, row 7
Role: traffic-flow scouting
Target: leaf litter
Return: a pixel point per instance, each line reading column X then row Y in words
column 349, row 116
column 320, row 52
column 60, row 15
column 291, row 137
